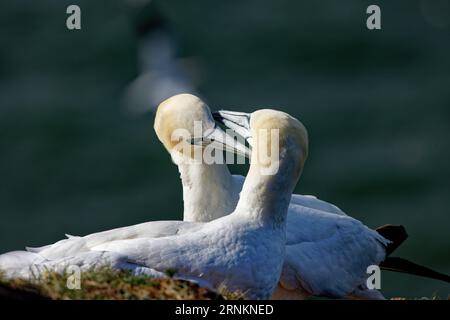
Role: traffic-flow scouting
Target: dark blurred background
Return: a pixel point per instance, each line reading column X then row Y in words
column 78, row 153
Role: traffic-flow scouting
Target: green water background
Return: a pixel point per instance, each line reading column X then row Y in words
column 376, row 104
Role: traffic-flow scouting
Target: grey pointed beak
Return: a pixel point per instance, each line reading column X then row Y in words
column 239, row 122
column 221, row 140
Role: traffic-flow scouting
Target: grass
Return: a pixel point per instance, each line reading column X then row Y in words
column 107, row 284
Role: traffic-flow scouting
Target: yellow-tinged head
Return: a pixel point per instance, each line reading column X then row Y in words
column 277, row 131
column 182, row 111
column 184, row 123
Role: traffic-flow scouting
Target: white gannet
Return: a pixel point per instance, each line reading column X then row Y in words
column 244, row 250
column 327, row 254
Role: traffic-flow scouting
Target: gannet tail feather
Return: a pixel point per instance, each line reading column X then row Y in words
column 405, row 266
column 396, row 234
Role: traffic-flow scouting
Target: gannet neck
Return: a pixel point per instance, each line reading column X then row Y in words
column 209, row 191
column 266, row 198
column 271, row 179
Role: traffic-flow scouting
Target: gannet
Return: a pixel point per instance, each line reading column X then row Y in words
column 328, row 254
column 243, row 251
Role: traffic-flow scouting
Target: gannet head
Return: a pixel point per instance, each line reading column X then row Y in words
column 290, row 136
column 184, row 122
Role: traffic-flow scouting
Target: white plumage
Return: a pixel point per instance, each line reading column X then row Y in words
column 327, row 252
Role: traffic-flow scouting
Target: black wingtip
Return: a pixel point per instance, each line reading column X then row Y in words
column 395, row 233
column 401, row 265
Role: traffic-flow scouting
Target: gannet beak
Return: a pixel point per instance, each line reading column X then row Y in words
column 219, row 139
column 239, row 122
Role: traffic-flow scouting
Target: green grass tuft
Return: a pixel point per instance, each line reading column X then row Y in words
column 107, row 284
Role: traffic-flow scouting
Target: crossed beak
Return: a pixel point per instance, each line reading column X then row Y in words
column 219, row 139
column 239, row 122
